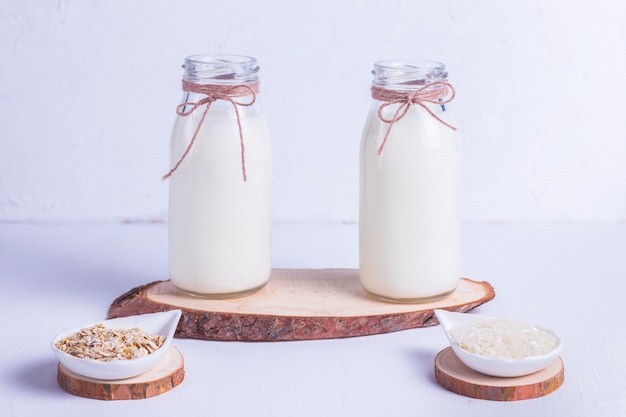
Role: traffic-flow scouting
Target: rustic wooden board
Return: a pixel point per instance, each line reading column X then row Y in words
column 454, row 376
column 296, row 304
column 166, row 375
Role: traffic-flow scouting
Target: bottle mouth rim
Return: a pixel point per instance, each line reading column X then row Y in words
column 220, row 58
column 408, row 72
column 220, row 68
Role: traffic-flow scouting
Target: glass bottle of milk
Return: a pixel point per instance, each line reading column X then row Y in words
column 220, row 181
column 409, row 226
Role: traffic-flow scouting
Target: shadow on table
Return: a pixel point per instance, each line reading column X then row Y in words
column 424, row 364
column 37, row 377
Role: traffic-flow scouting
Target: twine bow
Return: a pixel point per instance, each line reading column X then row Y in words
column 438, row 92
column 213, row 93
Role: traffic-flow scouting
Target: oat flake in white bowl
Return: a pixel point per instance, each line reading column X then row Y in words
column 499, row 347
column 162, row 323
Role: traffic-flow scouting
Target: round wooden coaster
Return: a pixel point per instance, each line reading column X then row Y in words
column 296, row 304
column 454, row 376
column 167, row 374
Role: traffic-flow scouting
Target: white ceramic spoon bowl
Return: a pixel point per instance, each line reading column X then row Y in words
column 500, row 367
column 163, row 323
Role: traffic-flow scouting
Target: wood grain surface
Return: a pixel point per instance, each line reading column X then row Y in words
column 296, row 304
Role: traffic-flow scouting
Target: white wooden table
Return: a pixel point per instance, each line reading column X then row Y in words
column 567, row 277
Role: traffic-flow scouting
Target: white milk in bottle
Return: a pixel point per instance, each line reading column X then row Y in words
column 220, row 182
column 409, row 226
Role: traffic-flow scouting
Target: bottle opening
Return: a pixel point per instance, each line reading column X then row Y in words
column 408, row 73
column 220, row 69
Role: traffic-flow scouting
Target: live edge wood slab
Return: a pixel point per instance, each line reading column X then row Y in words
column 454, row 376
column 296, row 304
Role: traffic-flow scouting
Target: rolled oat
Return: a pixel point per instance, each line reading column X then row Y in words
column 103, row 344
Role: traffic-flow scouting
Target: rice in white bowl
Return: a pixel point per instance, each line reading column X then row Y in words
column 503, row 338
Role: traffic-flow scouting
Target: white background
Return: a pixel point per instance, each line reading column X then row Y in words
column 88, row 91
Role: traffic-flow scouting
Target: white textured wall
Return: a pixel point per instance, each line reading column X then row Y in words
column 88, row 90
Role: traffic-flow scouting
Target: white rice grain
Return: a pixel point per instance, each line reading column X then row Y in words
column 503, row 338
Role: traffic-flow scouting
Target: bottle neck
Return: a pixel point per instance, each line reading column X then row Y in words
column 227, row 82
column 223, row 99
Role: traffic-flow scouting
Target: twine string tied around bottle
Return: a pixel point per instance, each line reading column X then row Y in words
column 214, row 92
column 438, row 92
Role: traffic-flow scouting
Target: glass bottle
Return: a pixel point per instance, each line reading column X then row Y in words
column 409, row 226
column 220, row 181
